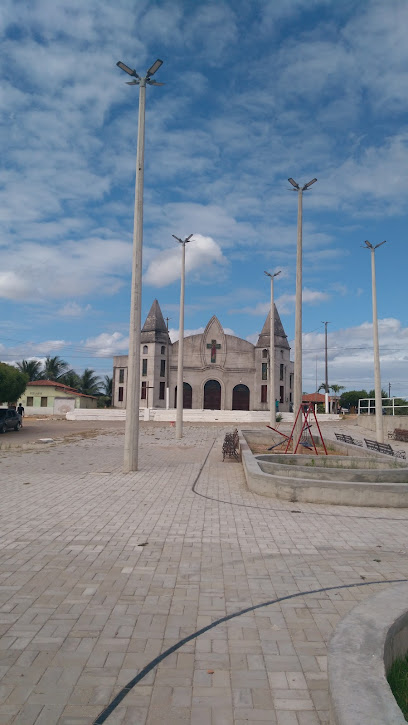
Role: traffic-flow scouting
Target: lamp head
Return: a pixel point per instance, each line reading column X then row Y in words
column 293, row 182
column 309, row 184
column 126, row 68
column 152, row 70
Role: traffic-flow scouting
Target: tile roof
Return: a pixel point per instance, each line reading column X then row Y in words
column 59, row 386
column 315, row 398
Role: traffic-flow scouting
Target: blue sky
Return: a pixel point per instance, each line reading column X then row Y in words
column 255, row 92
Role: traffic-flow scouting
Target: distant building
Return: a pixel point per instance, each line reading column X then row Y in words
column 319, row 399
column 221, row 372
column 48, row 397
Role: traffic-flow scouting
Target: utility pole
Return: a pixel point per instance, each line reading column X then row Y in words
column 326, row 380
column 131, row 451
column 297, row 385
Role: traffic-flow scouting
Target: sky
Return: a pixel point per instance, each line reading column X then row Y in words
column 255, row 91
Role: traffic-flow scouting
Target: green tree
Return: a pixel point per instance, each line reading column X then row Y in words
column 32, row 368
column 89, row 382
column 350, row 398
column 54, row 368
column 12, row 383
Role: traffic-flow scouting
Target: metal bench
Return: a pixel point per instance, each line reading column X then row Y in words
column 399, row 434
column 348, row 439
column 383, row 448
column 230, row 447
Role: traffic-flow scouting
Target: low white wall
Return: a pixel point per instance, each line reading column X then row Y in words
column 390, row 422
column 193, row 415
column 99, row 414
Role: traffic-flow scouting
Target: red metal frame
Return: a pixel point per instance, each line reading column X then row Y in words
column 306, row 426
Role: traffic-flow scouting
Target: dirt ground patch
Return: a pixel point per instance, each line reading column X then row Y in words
column 59, row 429
column 258, row 448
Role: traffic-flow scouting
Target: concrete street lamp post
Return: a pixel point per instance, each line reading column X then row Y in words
column 297, row 387
column 180, row 382
column 326, row 370
column 133, row 383
column 272, row 407
column 377, row 373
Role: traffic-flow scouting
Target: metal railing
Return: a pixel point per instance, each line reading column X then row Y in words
column 366, row 406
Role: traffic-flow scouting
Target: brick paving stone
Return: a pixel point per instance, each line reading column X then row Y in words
column 101, row 572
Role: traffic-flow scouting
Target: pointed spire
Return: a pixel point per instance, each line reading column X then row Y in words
column 281, row 339
column 154, row 328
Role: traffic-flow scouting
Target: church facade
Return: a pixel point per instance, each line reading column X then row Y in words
column 220, row 371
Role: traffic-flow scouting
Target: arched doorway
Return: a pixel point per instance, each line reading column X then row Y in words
column 240, row 397
column 212, row 395
column 187, row 396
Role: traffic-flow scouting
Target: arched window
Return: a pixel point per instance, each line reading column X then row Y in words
column 163, row 350
column 187, row 396
column 212, row 395
column 264, row 353
column 145, row 349
column 240, row 397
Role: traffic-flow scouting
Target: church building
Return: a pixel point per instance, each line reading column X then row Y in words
column 221, row 372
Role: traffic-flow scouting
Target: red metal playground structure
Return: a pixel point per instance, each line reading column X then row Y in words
column 305, row 437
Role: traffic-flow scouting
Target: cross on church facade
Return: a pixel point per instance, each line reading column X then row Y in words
column 213, row 347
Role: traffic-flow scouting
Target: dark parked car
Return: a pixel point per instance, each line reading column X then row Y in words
column 9, row 420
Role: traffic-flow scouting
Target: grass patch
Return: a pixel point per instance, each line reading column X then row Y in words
column 398, row 681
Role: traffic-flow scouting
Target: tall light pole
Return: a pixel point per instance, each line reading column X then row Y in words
column 326, row 368
column 180, row 386
column 377, row 373
column 297, row 388
column 167, row 367
column 133, row 385
column 272, row 407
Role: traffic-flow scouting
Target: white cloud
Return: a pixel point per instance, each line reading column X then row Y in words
column 107, row 344
column 40, row 271
column 73, row 309
column 253, row 338
column 203, row 256
column 32, row 350
column 174, row 333
column 351, row 360
column 286, row 303
column 12, row 286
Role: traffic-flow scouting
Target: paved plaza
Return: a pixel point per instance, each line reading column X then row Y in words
column 103, row 572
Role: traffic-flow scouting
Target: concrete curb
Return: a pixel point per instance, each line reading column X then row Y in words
column 364, row 645
column 326, row 488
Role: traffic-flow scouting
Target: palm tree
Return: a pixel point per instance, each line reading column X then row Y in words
column 71, row 379
column 54, row 368
column 89, row 383
column 32, row 368
column 107, row 386
column 336, row 389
